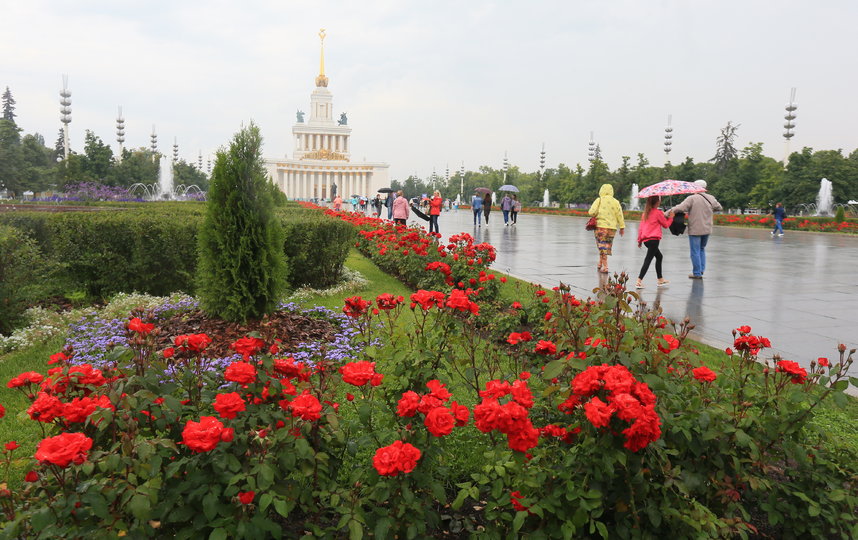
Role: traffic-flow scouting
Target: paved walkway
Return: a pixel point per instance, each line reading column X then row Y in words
column 799, row 290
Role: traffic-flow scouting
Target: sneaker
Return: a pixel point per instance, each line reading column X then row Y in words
column 663, row 282
column 781, row 234
column 639, row 285
column 692, row 276
column 772, row 233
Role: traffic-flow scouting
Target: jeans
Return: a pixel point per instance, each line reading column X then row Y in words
column 514, row 216
column 478, row 212
column 698, row 253
column 433, row 224
column 779, row 226
column 390, row 212
column 505, row 217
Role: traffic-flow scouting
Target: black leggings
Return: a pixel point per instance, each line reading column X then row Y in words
column 651, row 251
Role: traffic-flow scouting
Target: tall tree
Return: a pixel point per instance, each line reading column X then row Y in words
column 98, row 157
column 242, row 266
column 8, row 105
column 10, row 157
column 725, row 150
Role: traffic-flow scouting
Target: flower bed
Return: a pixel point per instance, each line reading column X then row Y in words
column 590, row 417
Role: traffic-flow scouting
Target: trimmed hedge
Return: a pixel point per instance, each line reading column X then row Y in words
column 152, row 247
column 22, row 275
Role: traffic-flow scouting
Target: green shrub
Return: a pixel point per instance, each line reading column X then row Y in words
column 316, row 247
column 840, row 215
column 242, row 268
column 22, row 275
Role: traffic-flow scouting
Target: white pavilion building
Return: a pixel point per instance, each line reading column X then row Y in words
column 322, row 155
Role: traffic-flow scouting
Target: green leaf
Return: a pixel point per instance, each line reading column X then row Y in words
column 853, row 381
column 283, row 508
column 553, row 369
column 518, row 521
column 355, row 530
column 602, row 529
column 382, row 526
column 460, row 498
column 839, row 399
column 265, row 501
column 266, row 476
column 139, row 506
column 841, row 385
column 218, row 534
column 42, row 519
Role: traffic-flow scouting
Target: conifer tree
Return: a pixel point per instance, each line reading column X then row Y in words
column 242, row 265
column 8, row 105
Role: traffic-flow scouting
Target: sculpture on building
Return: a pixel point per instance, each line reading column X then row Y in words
column 300, row 115
column 344, row 120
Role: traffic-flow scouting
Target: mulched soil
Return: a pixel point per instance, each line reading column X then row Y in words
column 290, row 328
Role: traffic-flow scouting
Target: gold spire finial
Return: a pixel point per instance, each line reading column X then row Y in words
column 321, row 80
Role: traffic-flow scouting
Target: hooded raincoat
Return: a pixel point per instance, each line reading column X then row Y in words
column 607, row 209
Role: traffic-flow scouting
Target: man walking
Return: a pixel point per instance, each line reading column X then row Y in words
column 698, row 209
column 780, row 215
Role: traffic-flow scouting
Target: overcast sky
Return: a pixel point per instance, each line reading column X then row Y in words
column 427, row 84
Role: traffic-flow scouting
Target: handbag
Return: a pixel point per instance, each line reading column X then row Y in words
column 591, row 223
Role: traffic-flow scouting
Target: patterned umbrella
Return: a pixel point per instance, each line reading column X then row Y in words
column 508, row 187
column 670, row 187
column 483, row 190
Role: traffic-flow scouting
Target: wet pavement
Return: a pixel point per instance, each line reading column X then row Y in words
column 799, row 290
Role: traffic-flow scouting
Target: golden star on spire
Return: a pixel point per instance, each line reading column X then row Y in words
column 321, row 80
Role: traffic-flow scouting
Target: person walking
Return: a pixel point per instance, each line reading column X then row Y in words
column 435, row 210
column 400, row 209
column 516, row 208
column 699, row 209
column 780, row 215
column 477, row 206
column 389, row 204
column 487, row 206
column 609, row 218
column 649, row 235
column 506, row 206
column 338, row 203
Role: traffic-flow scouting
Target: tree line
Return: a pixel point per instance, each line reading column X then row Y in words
column 28, row 164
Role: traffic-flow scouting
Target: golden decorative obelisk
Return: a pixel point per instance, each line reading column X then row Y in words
column 321, row 80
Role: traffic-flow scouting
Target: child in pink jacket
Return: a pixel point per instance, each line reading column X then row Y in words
column 649, row 235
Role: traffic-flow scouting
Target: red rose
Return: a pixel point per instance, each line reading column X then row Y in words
column 78, row 409
column 31, row 476
column 438, row 390
column 86, row 375
column 246, row 497
column 548, row 316
column 229, row 405
column 136, row 325
column 408, row 403
column 240, row 372
column 789, row 367
column 460, row 413
column 823, row 362
column 704, row 374
column 667, row 343
column 398, row 457
column 516, row 305
column 203, row 436
column 11, row 445
column 45, row 408
column 247, row 346
column 306, row 406
column 545, row 347
column 439, row 421
column 598, row 412
column 28, row 377
column 356, row 306
column 169, row 352
column 358, row 373
column 64, row 449
column 58, row 357
column 193, row 342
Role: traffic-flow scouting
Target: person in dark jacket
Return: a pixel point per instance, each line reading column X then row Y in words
column 780, row 215
column 487, row 206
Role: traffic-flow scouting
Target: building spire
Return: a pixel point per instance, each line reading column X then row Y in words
column 321, row 80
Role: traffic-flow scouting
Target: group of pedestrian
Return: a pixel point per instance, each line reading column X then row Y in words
column 697, row 209
column 482, row 206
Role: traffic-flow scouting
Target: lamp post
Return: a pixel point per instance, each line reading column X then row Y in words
column 462, row 183
column 668, row 135
column 542, row 163
column 154, row 144
column 591, row 153
column 120, row 133
column 505, row 166
column 176, row 151
column 65, row 112
column 789, row 126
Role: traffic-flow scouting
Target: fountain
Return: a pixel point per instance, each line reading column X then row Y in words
column 164, row 189
column 634, row 202
column 546, row 200
column 824, row 199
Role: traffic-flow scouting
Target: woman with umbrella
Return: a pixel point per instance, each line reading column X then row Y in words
column 506, row 206
column 487, row 206
column 609, row 218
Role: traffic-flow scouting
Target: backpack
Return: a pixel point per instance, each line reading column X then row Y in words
column 678, row 226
